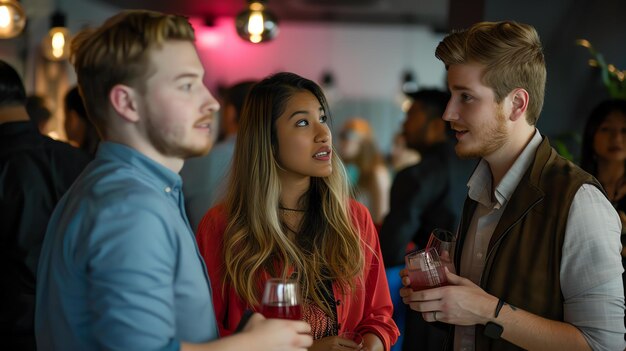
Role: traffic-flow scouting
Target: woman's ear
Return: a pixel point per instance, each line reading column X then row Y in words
column 123, row 100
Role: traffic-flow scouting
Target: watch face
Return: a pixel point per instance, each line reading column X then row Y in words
column 493, row 330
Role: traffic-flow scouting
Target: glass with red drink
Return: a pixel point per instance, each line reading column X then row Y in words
column 281, row 299
column 444, row 242
column 425, row 269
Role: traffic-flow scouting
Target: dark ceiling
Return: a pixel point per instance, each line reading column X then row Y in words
column 433, row 13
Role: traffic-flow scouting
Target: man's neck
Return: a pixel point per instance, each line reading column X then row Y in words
column 503, row 159
column 175, row 164
column 15, row 113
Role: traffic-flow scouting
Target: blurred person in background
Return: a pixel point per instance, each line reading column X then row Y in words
column 420, row 201
column 288, row 214
column 38, row 112
column 80, row 130
column 368, row 172
column 402, row 156
column 205, row 177
column 35, row 171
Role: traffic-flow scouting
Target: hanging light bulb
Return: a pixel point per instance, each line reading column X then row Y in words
column 256, row 24
column 12, row 19
column 56, row 44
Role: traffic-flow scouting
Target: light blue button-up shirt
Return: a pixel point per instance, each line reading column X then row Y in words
column 119, row 267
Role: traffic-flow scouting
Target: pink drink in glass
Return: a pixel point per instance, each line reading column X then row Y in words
column 425, row 269
column 421, row 280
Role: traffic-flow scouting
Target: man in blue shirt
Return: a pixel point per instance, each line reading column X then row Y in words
column 119, row 267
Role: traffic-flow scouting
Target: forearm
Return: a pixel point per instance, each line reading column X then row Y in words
column 532, row 332
column 372, row 342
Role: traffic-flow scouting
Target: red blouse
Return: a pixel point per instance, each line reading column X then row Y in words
column 368, row 310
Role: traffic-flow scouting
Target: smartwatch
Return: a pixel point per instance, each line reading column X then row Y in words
column 493, row 330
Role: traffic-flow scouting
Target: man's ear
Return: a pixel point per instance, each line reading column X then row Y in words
column 519, row 101
column 124, row 101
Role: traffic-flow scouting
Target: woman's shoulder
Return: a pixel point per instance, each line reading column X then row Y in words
column 357, row 208
column 361, row 218
column 213, row 223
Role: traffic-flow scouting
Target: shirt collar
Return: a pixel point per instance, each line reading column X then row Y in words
column 165, row 179
column 480, row 182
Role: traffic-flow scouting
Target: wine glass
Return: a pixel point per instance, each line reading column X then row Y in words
column 425, row 269
column 352, row 336
column 281, row 299
column 443, row 241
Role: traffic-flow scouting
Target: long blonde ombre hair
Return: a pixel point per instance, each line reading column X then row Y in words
column 327, row 247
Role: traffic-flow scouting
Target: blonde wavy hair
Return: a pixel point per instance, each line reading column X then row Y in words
column 511, row 53
column 118, row 52
column 328, row 246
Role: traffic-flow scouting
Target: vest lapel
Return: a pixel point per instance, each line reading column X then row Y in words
column 528, row 190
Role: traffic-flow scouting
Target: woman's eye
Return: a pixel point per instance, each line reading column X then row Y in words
column 186, row 87
column 323, row 118
column 466, row 97
column 302, row 123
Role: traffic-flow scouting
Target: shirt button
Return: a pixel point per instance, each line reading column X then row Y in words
column 338, row 302
column 168, row 189
column 479, row 255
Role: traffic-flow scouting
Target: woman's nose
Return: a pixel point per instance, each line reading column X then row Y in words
column 323, row 135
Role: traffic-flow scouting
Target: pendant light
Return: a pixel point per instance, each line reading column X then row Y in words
column 56, row 45
column 256, row 24
column 12, row 19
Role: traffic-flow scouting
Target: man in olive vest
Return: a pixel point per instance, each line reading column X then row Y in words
column 538, row 252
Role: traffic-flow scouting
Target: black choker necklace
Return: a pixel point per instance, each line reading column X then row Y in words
column 291, row 209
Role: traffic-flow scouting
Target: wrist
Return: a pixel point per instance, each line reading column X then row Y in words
column 493, row 329
column 488, row 312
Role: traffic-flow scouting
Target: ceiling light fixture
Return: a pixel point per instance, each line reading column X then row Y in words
column 12, row 19
column 56, row 45
column 256, row 24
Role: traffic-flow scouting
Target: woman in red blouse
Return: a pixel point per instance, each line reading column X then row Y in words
column 287, row 212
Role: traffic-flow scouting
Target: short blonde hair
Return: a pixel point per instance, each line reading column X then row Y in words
column 118, row 52
column 511, row 53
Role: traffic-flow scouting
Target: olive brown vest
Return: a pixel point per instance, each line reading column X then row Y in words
column 524, row 254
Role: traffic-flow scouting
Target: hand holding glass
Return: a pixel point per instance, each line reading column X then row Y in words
column 281, row 299
column 425, row 269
